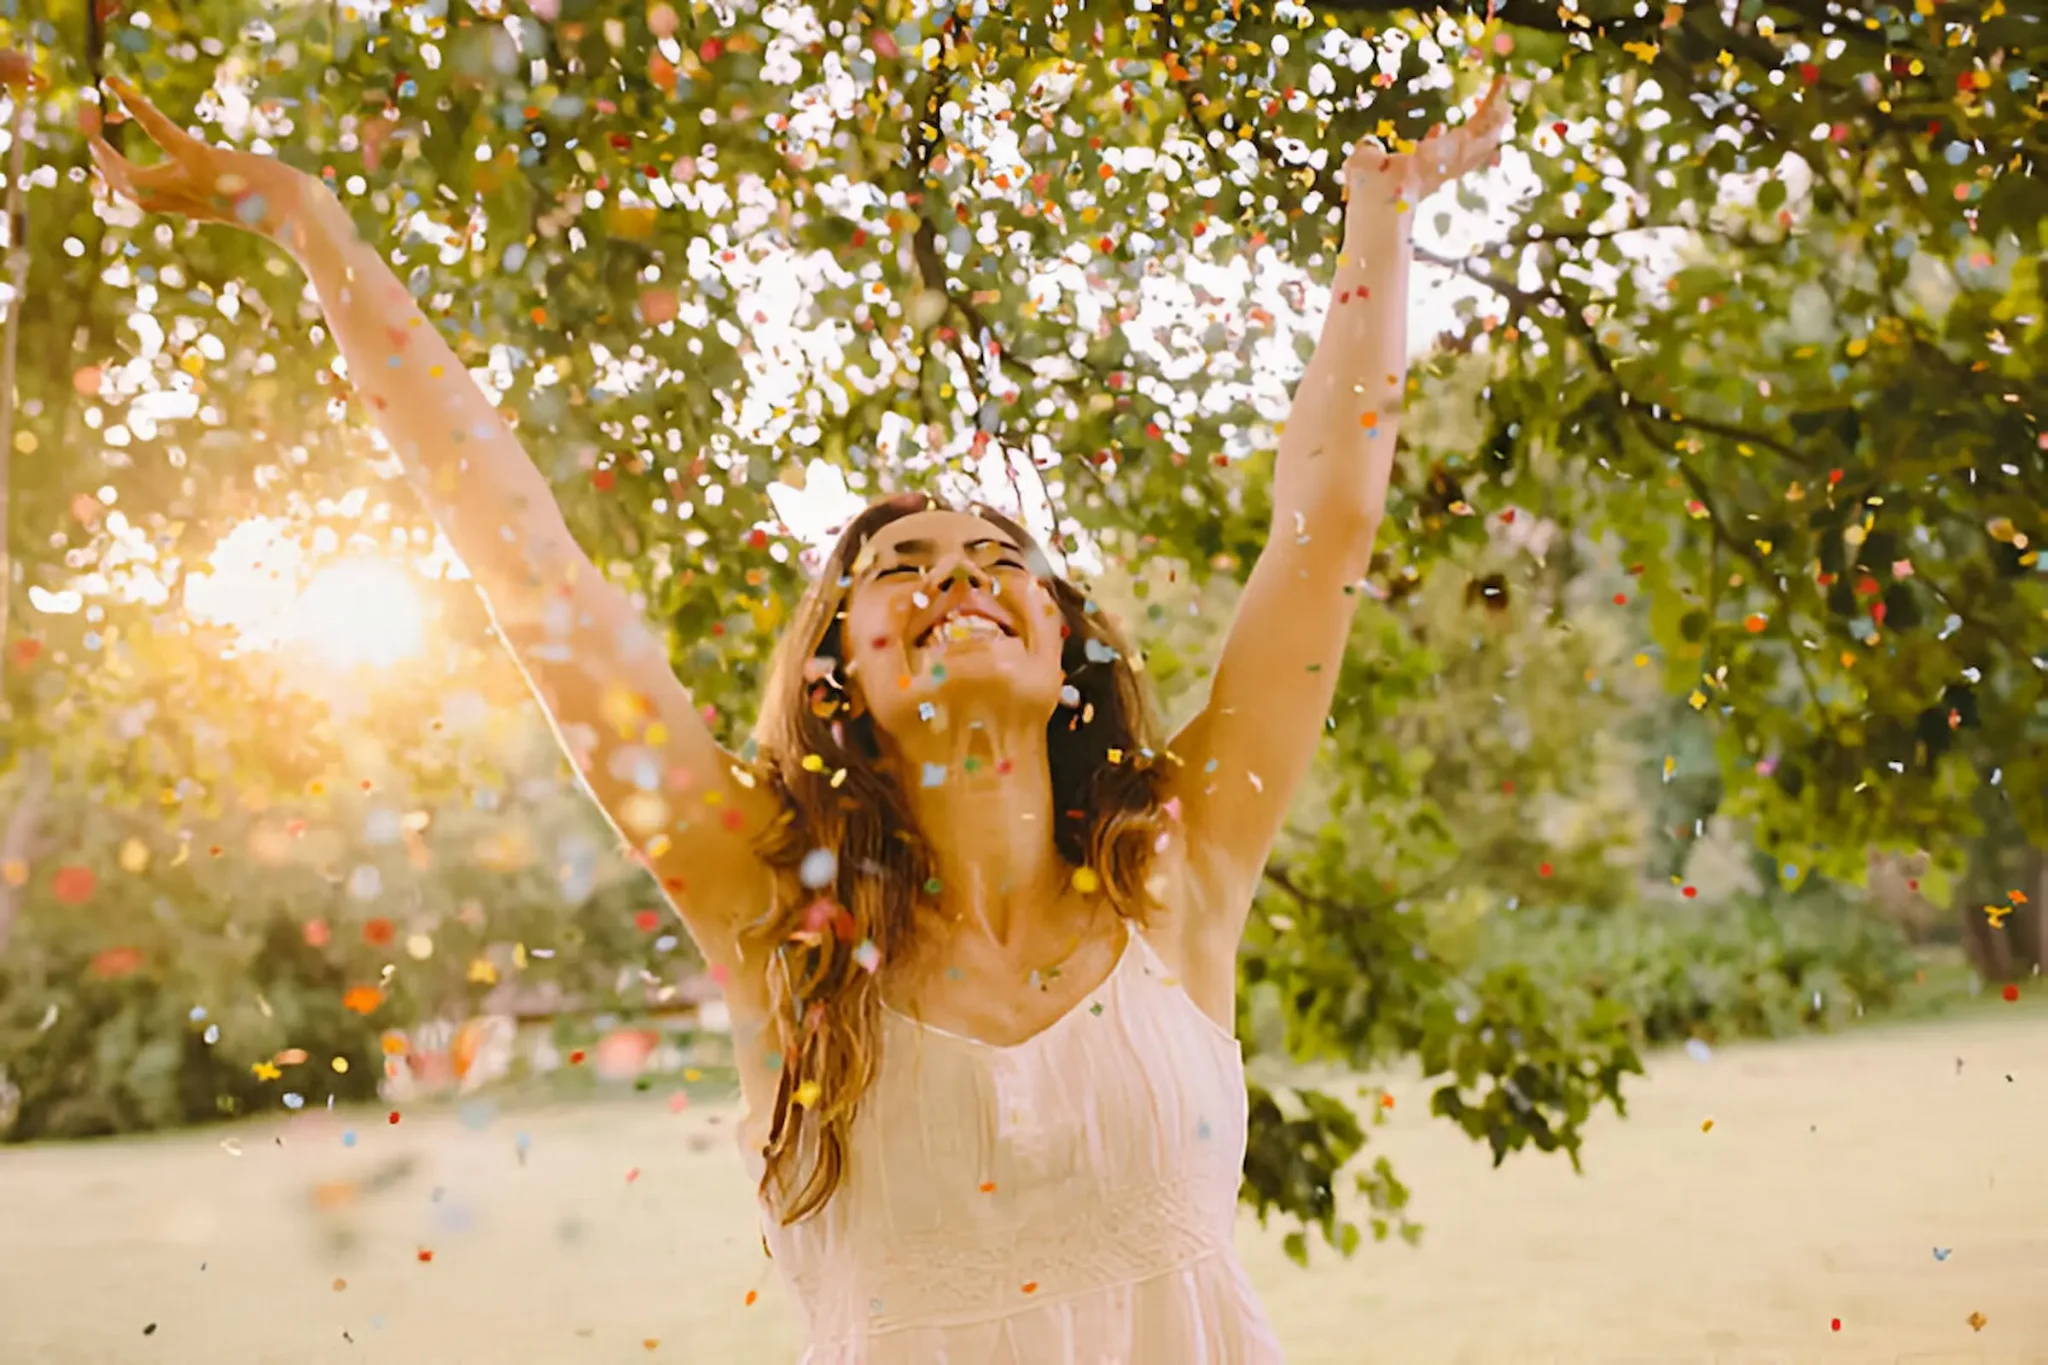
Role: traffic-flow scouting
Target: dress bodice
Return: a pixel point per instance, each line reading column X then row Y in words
column 1069, row 1200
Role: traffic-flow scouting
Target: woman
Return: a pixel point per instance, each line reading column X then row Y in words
column 995, row 1102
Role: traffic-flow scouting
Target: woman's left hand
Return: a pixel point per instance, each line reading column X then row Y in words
column 1380, row 184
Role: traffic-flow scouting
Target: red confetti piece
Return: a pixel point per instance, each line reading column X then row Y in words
column 1543, row 869
column 2011, row 993
column 73, row 885
column 1834, row 1324
column 425, row 1256
column 114, row 963
column 394, row 1117
column 752, row 1294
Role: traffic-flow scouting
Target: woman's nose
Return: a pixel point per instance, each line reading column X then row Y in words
column 964, row 572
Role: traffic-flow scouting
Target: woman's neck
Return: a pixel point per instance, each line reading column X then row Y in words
column 982, row 800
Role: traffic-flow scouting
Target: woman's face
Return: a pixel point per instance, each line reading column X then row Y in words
column 945, row 618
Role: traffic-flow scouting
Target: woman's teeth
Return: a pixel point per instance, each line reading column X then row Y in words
column 955, row 629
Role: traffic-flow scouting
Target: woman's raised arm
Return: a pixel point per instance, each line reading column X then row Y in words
column 1245, row 755
column 602, row 676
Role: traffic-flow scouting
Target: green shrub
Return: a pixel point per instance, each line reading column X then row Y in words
column 1747, row 967
column 98, row 1039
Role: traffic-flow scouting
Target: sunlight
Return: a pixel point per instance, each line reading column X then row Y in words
column 356, row 611
column 361, row 611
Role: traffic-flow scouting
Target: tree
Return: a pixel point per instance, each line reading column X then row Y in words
column 695, row 247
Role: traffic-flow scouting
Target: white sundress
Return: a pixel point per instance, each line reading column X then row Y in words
column 1069, row 1200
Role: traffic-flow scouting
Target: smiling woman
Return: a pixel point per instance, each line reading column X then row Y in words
column 995, row 1107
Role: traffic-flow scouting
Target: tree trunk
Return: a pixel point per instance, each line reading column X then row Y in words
column 17, row 269
column 17, row 844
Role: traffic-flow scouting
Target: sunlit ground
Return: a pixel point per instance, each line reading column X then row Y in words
column 1891, row 1180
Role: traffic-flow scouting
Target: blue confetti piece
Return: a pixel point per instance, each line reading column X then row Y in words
column 934, row 774
column 348, row 1137
column 1943, row 1253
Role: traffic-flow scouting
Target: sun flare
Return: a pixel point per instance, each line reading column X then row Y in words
column 359, row 611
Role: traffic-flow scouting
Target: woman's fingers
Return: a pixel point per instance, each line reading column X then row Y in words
column 152, row 188
column 161, row 130
column 114, row 168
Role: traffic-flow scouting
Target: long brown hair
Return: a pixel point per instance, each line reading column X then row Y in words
column 821, row 757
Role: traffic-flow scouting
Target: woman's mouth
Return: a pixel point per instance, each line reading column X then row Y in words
column 960, row 627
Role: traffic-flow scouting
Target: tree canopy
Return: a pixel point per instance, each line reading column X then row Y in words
column 1745, row 404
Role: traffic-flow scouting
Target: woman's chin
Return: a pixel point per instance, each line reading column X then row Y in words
column 981, row 679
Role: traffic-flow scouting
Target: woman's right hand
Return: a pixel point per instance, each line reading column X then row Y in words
column 205, row 183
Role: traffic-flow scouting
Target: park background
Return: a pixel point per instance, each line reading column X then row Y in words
column 1693, row 716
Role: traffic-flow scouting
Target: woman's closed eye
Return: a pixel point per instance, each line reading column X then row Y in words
column 895, row 569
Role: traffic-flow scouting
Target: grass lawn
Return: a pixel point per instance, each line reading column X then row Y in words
column 624, row 1231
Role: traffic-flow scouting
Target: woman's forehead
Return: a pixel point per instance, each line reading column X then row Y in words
column 933, row 531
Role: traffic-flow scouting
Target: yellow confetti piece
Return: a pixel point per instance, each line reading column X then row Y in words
column 1085, row 881
column 807, row 1093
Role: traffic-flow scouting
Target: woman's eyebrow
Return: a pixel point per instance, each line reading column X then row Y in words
column 875, row 558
